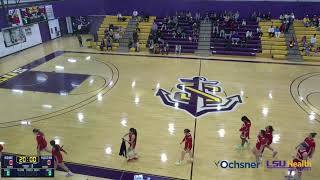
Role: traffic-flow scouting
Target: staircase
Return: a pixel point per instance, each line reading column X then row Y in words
column 124, row 41
column 293, row 53
column 204, row 39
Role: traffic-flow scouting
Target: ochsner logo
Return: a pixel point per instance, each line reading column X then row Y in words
column 236, row 164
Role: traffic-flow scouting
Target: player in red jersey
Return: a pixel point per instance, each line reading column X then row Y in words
column 187, row 146
column 261, row 142
column 302, row 154
column 245, row 131
column 269, row 137
column 41, row 142
column 133, row 136
column 56, row 153
column 311, row 144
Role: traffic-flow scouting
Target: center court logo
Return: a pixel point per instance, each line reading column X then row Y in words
column 236, row 164
column 199, row 96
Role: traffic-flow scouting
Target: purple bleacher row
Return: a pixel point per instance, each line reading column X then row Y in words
column 218, row 45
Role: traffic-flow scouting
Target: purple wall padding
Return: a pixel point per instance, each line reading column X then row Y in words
column 168, row 7
column 44, row 31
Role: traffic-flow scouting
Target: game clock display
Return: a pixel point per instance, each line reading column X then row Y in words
column 27, row 166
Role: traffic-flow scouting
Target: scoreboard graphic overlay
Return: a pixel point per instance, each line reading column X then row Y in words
column 27, row 166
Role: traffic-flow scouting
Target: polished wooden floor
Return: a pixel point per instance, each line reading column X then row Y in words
column 264, row 86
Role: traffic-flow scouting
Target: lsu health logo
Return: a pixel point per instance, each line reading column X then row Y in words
column 199, row 96
column 303, row 165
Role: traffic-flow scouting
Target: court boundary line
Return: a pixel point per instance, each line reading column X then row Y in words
column 90, row 100
column 196, row 58
column 104, row 168
column 297, row 89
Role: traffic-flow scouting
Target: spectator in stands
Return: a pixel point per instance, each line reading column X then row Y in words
column 119, row 15
column 165, row 49
column 198, row 16
column 235, row 38
column 135, row 14
column 307, row 50
column 137, row 46
column 306, row 21
column 259, row 32
column 215, row 29
column 243, row 42
column 154, row 27
column 179, row 32
column 116, row 36
column 254, row 16
column 248, row 34
column 244, row 22
column 316, row 51
column 281, row 18
column 164, row 24
column 206, row 18
column 189, row 16
column 80, row 40
column 313, row 40
column 222, row 33
column 282, row 28
column 291, row 18
column 135, row 37
column 150, row 44
column 271, row 31
column 130, row 43
column 258, row 19
column 277, row 32
column 178, row 49
column 183, row 34
column 268, row 16
column 109, row 43
column 102, row 45
column 228, row 34
column 236, row 16
column 304, row 41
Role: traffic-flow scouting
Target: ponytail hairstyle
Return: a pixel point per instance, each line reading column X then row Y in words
column 270, row 128
column 134, row 131
column 35, row 130
column 186, row 131
column 245, row 119
column 313, row 134
column 54, row 145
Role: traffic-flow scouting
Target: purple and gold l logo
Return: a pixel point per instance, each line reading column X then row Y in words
column 199, row 96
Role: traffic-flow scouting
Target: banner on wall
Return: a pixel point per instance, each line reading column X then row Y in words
column 80, row 24
column 13, row 36
column 49, row 11
column 33, row 14
column 14, row 17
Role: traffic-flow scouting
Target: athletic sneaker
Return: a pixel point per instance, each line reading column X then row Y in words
column 274, row 154
column 69, row 174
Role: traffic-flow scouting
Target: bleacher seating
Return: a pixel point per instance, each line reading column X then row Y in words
column 145, row 29
column 251, row 47
column 273, row 47
column 300, row 31
column 187, row 46
column 105, row 24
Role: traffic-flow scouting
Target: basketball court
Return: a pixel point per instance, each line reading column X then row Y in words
column 87, row 100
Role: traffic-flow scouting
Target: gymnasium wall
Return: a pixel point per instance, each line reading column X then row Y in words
column 31, row 40
column 166, row 7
